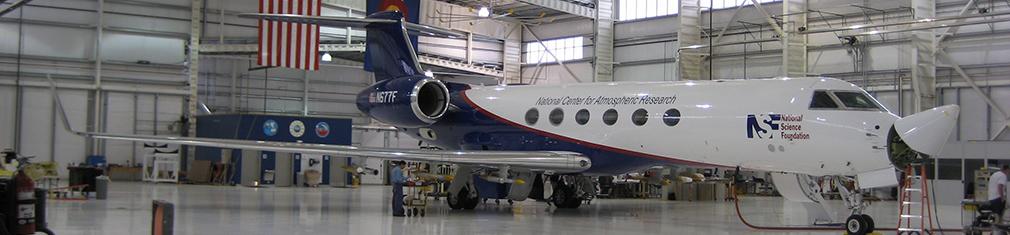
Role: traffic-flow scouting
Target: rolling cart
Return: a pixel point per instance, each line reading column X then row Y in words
column 416, row 201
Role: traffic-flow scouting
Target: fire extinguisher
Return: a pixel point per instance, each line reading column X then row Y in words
column 25, row 215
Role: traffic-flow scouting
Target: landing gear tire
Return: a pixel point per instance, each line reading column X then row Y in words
column 857, row 225
column 462, row 200
column 564, row 197
column 869, row 223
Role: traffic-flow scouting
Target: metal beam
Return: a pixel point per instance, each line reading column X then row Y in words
column 462, row 66
column 768, row 17
column 953, row 30
column 603, row 62
column 14, row 6
column 974, row 86
column 549, row 52
column 512, row 50
column 937, row 21
column 690, row 57
column 924, row 58
column 794, row 52
column 253, row 48
column 732, row 19
column 195, row 29
column 563, row 6
column 96, row 145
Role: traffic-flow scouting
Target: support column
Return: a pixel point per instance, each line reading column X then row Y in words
column 195, row 25
column 512, row 55
column 689, row 63
column 794, row 44
column 469, row 48
column 603, row 45
column 924, row 55
column 95, row 146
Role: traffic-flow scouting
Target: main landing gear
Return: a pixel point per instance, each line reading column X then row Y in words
column 570, row 190
column 465, row 199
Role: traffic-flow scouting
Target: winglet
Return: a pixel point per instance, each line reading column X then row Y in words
column 59, row 107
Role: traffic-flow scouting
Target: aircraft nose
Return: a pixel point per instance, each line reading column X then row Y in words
column 927, row 131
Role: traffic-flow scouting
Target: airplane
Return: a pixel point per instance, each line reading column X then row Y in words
column 559, row 137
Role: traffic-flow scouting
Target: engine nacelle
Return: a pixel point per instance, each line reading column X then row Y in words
column 405, row 102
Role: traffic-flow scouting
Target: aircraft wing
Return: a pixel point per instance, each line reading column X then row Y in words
column 355, row 22
column 561, row 162
column 554, row 161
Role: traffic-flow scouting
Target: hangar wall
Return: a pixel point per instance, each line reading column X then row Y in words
column 143, row 73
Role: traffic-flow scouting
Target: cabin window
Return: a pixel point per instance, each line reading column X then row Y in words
column 671, row 117
column 856, row 100
column 639, row 117
column 557, row 115
column 582, row 117
column 610, row 117
column 822, row 100
column 532, row 116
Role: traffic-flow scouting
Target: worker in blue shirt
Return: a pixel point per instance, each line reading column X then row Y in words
column 397, row 179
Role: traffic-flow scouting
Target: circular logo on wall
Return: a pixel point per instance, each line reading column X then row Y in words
column 297, row 128
column 270, row 128
column 395, row 5
column 322, row 129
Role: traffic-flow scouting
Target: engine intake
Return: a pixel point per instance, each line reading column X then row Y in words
column 405, row 102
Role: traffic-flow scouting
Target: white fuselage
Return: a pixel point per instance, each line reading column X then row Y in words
column 713, row 126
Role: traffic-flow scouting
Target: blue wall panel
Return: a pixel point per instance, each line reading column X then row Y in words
column 315, row 130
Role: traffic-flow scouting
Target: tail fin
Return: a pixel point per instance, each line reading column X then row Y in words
column 389, row 53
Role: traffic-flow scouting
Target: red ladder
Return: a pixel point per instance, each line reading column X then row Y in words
column 907, row 202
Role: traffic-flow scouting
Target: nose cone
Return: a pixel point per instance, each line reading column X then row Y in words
column 927, row 131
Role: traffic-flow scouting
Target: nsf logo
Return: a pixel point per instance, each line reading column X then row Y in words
column 785, row 126
column 270, row 128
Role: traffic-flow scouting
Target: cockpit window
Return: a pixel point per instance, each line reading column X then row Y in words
column 823, row 101
column 856, row 100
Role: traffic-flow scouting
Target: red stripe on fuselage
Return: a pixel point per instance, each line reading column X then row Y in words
column 585, row 143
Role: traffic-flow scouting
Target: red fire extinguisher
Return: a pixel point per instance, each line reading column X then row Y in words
column 25, row 188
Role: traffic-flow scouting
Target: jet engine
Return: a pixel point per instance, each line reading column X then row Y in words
column 408, row 102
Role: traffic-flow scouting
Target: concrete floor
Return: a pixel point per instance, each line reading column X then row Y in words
column 248, row 211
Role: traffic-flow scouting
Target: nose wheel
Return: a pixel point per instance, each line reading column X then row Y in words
column 859, row 224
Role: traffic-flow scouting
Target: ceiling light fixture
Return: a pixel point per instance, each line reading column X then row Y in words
column 484, row 12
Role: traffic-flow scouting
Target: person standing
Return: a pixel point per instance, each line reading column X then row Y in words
column 397, row 179
column 997, row 190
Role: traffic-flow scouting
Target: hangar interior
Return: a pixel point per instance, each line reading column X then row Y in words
column 152, row 67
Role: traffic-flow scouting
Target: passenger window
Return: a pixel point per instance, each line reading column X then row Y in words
column 822, row 100
column 639, row 117
column 856, row 100
column 671, row 117
column 532, row 116
column 582, row 117
column 610, row 117
column 557, row 115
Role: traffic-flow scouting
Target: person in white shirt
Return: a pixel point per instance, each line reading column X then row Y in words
column 997, row 190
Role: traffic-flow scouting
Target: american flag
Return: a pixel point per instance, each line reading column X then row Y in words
column 284, row 44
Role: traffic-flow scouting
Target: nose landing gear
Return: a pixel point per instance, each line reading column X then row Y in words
column 857, row 223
